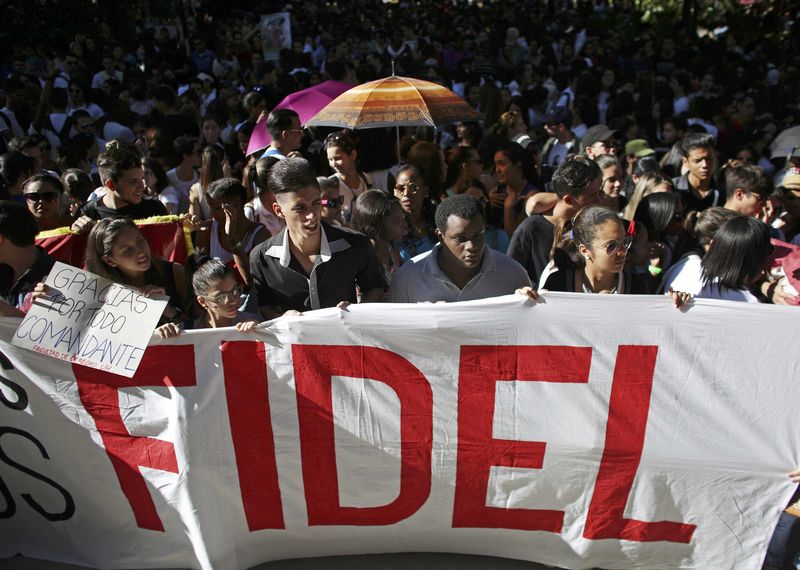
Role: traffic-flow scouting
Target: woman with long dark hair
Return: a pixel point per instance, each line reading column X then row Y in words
column 118, row 251
column 735, row 260
column 382, row 220
column 686, row 273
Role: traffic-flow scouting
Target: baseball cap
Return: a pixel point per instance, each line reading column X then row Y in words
column 638, row 148
column 595, row 134
column 558, row 115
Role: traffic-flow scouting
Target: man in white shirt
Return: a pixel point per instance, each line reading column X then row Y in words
column 109, row 71
column 460, row 267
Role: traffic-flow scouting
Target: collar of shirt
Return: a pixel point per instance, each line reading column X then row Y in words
column 432, row 265
column 282, row 252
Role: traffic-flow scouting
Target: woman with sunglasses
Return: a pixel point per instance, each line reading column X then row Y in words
column 412, row 192
column 342, row 152
column 463, row 164
column 218, row 294
column 592, row 259
column 331, row 200
column 43, row 197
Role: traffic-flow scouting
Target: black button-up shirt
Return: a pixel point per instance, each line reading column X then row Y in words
column 345, row 260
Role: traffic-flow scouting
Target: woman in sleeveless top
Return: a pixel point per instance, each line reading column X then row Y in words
column 342, row 153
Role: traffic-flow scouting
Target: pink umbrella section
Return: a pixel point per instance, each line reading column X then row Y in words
column 306, row 103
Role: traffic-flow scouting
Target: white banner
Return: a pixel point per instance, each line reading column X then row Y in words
column 584, row 431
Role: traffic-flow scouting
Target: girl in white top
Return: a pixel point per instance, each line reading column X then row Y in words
column 157, row 184
column 342, row 155
column 735, row 260
column 686, row 273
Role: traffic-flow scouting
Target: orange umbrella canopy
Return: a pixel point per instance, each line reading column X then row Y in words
column 394, row 101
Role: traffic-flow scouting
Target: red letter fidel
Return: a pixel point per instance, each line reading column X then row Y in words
column 481, row 368
column 246, row 388
column 314, row 365
column 160, row 366
column 627, row 421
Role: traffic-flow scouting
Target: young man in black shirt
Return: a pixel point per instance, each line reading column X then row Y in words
column 310, row 264
column 696, row 188
column 121, row 172
column 578, row 183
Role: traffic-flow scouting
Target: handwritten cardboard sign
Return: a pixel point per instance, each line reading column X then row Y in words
column 89, row 320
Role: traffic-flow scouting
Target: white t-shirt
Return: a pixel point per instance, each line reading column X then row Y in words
column 182, row 188
column 715, row 291
column 169, row 197
column 685, row 276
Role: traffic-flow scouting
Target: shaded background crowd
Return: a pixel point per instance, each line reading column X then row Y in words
column 617, row 150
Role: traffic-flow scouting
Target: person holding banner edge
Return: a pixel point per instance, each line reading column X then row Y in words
column 218, row 293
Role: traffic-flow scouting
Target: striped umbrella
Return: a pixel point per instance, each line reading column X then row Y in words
column 394, row 102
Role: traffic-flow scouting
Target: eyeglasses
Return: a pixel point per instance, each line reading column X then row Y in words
column 411, row 189
column 332, row 203
column 41, row 196
column 614, row 246
column 294, row 131
column 227, row 297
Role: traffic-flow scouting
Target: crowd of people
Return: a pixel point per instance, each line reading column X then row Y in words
column 609, row 158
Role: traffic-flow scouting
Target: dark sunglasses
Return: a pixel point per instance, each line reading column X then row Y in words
column 411, row 189
column 332, row 203
column 41, row 196
column 614, row 246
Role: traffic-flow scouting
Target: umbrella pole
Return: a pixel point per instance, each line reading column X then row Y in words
column 397, row 131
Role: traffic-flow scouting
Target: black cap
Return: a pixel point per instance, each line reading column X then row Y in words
column 559, row 115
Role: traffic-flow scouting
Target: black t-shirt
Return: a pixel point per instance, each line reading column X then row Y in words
column 531, row 244
column 691, row 203
column 144, row 209
column 280, row 281
column 564, row 280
